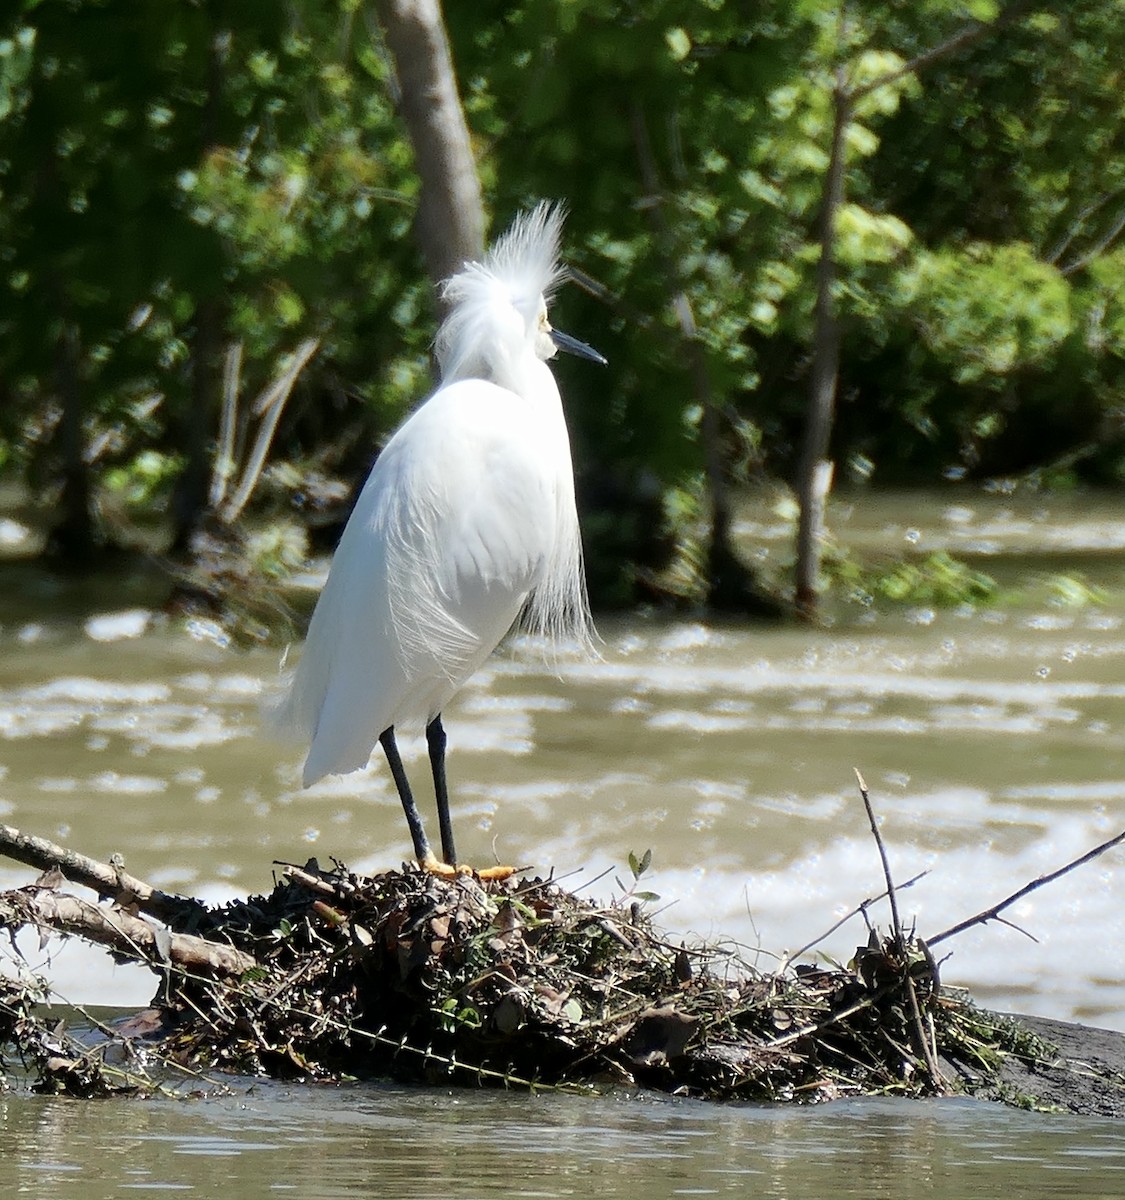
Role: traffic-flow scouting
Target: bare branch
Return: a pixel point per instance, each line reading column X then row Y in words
column 101, row 877
column 1102, row 244
column 923, row 1042
column 961, row 40
column 862, row 907
column 269, row 406
column 895, row 922
column 994, row 912
column 132, row 937
column 1075, row 227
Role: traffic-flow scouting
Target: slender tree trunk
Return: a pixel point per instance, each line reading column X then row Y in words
column 731, row 586
column 73, row 539
column 450, row 221
column 814, row 470
column 196, row 425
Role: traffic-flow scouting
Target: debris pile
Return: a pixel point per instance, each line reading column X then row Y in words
column 457, row 981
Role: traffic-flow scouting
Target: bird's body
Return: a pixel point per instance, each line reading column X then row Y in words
column 466, row 521
column 453, row 529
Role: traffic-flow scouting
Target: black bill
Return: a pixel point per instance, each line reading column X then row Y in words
column 563, row 341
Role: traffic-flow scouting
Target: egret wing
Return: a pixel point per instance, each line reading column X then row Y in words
column 450, row 533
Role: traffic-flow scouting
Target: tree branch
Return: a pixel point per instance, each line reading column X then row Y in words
column 994, row 912
column 126, row 935
column 1099, row 247
column 961, row 40
column 101, row 877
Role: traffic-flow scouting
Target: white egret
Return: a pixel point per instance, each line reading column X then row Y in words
column 466, row 523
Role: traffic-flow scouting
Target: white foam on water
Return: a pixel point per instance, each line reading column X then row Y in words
column 118, row 626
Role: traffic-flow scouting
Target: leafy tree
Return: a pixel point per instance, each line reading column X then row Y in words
column 174, row 181
column 183, row 180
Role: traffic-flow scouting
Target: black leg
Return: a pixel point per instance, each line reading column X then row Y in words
column 390, row 747
column 435, row 741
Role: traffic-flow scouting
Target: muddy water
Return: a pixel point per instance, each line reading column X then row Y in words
column 991, row 739
column 420, row 1144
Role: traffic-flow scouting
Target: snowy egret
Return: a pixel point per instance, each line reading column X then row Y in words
column 466, row 523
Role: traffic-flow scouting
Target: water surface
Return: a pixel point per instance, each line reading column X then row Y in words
column 992, row 741
column 424, row 1143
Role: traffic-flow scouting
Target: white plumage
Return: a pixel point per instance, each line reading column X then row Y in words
column 466, row 521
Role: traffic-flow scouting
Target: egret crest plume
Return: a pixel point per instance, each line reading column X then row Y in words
column 520, row 272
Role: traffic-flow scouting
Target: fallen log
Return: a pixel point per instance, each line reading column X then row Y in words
column 107, row 879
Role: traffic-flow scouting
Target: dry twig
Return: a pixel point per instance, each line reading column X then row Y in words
column 993, row 913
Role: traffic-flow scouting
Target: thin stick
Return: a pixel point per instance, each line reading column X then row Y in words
column 832, row 1019
column 994, row 912
column 900, row 944
column 268, row 406
column 859, row 908
column 923, row 1042
column 336, row 890
column 929, row 1051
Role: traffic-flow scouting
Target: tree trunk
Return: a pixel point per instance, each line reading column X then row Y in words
column 73, row 539
column 450, row 221
column 731, row 584
column 814, row 471
column 189, row 500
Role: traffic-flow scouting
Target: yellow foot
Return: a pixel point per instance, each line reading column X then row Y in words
column 491, row 873
column 445, row 871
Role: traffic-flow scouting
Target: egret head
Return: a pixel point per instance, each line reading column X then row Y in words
column 497, row 320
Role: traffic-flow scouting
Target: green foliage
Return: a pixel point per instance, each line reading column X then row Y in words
column 155, row 158
column 164, row 164
column 638, row 867
column 1070, row 591
column 453, row 1016
column 986, row 311
column 936, row 579
column 145, row 480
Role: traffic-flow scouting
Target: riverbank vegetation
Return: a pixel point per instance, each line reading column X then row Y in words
column 889, row 237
